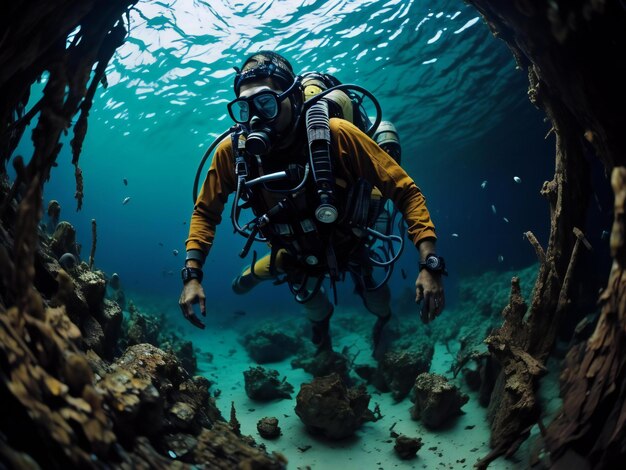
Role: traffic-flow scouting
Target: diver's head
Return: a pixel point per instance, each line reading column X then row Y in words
column 268, row 101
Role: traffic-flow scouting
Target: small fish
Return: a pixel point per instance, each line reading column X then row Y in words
column 403, row 273
column 493, row 208
column 517, row 179
column 455, row 235
column 239, row 313
column 172, row 454
column 184, row 222
column 500, row 258
column 160, row 244
column 483, row 184
column 505, row 219
column 604, row 235
column 125, row 182
column 126, row 200
column 167, row 273
column 175, row 252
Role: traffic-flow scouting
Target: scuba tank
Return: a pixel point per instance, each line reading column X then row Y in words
column 386, row 136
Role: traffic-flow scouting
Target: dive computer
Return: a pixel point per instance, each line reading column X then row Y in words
column 434, row 264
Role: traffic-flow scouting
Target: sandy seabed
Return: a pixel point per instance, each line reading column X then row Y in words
column 459, row 446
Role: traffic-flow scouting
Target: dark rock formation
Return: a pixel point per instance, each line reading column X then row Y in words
column 267, row 345
column 62, row 406
column 141, row 328
column 263, row 384
column 150, row 394
column 407, row 447
column 326, row 406
column 399, row 369
column 268, row 428
column 324, row 363
column 64, row 240
column 436, row 400
column 144, row 328
column 224, row 450
column 557, row 44
column 53, row 215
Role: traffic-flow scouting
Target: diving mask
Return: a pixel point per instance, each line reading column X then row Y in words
column 265, row 104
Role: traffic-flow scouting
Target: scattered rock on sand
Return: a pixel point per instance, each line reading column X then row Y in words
column 269, row 345
column 326, row 406
column 436, row 400
column 406, row 447
column 263, row 384
column 268, row 428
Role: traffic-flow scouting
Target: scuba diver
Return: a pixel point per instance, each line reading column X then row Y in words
column 301, row 159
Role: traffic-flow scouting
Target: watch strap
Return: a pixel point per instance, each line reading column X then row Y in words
column 188, row 273
column 441, row 269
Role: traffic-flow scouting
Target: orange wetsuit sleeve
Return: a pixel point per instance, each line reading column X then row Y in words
column 360, row 156
column 207, row 212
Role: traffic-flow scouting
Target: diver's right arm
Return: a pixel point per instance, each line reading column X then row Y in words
column 207, row 214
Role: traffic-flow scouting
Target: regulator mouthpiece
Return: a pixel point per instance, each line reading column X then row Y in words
column 258, row 142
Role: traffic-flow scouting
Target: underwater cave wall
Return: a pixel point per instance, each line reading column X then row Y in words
column 573, row 54
column 63, row 404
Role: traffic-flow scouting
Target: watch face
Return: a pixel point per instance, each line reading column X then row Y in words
column 432, row 262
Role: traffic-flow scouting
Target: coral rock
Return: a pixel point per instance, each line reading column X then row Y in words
column 92, row 285
column 111, row 321
column 224, row 450
column 407, row 447
column 266, row 345
column 400, row 369
column 268, row 428
column 93, row 335
column 436, row 400
column 182, row 414
column 141, row 328
column 326, row 406
column 263, row 384
column 64, row 240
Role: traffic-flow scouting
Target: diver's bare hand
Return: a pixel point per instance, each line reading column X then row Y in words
column 192, row 294
column 429, row 291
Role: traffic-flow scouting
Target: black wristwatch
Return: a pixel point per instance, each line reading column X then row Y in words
column 434, row 264
column 188, row 274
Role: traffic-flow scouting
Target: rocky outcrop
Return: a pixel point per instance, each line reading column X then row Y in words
column 267, row 345
column 407, row 447
column 399, row 369
column 268, row 428
column 64, row 240
column 144, row 328
column 327, row 407
column 264, row 385
column 437, row 401
column 582, row 93
column 323, row 363
column 151, row 394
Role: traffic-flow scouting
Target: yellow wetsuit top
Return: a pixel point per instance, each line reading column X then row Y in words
column 354, row 155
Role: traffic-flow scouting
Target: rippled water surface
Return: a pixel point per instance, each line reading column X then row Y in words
column 451, row 88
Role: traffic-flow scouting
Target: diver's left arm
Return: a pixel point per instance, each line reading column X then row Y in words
column 361, row 156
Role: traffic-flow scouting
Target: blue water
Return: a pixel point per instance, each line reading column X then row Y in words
column 451, row 88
